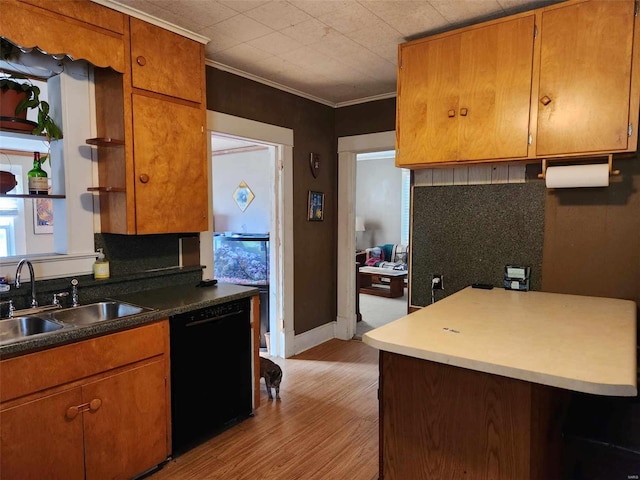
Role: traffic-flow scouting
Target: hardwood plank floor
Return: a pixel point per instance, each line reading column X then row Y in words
column 324, row 428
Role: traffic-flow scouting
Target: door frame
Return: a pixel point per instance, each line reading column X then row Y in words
column 281, row 292
column 348, row 148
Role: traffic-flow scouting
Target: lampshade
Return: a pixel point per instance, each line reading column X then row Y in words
column 359, row 224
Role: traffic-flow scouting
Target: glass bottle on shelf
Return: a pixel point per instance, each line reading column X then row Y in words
column 38, row 181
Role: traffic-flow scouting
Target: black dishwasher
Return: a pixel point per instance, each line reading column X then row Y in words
column 210, row 372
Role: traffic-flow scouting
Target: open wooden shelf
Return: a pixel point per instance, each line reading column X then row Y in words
column 104, row 142
column 106, row 189
column 24, row 195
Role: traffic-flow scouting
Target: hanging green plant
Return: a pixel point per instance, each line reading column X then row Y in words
column 45, row 124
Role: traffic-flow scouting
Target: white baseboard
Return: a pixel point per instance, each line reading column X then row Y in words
column 314, row 337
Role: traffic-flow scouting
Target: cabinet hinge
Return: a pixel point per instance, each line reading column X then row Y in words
column 535, row 31
column 630, row 130
column 637, row 8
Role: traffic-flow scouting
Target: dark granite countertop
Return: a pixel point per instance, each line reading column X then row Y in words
column 164, row 302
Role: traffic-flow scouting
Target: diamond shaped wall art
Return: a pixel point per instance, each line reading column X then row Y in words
column 243, row 196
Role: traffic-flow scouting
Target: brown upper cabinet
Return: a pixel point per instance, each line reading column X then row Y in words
column 158, row 182
column 165, row 62
column 553, row 82
column 584, row 90
column 465, row 96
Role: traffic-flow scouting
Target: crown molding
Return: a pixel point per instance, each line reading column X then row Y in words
column 382, row 96
column 153, row 20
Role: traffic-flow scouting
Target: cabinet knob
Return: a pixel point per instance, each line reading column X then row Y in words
column 144, row 178
column 545, row 100
column 72, row 412
column 140, row 60
column 452, row 113
column 95, row 404
column 463, row 112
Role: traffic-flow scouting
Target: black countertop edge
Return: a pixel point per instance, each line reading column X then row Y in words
column 164, row 303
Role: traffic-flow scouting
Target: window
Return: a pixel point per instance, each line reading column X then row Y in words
column 405, row 206
column 12, row 217
column 70, row 250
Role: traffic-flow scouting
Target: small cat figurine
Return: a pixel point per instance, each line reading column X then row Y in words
column 272, row 374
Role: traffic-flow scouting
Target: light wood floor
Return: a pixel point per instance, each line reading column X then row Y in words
column 324, row 428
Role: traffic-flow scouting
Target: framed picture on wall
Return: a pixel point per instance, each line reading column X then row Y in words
column 315, row 206
column 42, row 216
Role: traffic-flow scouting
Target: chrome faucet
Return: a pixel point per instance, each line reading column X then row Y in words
column 34, row 302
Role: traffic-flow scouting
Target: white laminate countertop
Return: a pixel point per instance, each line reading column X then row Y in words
column 580, row 343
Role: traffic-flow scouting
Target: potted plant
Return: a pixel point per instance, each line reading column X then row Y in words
column 17, row 97
column 18, row 94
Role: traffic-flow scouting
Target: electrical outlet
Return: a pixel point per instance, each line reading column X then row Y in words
column 436, row 283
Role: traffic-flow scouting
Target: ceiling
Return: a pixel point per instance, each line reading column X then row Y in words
column 337, row 52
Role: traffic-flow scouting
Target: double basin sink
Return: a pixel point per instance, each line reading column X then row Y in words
column 21, row 327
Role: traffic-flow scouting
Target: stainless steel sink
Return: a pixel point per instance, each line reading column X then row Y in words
column 97, row 312
column 19, row 328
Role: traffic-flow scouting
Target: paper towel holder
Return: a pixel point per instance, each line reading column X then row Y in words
column 610, row 160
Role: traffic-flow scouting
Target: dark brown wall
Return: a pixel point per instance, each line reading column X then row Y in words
column 370, row 117
column 315, row 247
column 592, row 238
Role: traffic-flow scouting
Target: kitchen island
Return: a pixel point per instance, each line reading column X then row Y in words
column 475, row 385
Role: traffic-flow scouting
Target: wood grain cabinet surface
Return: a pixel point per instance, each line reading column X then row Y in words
column 84, row 30
column 554, row 82
column 465, row 96
column 165, row 62
column 171, row 178
column 94, row 409
column 584, row 101
column 155, row 179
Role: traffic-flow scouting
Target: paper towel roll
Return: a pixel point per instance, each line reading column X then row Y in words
column 573, row 176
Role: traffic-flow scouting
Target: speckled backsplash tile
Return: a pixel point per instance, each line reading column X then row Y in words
column 469, row 233
column 138, row 253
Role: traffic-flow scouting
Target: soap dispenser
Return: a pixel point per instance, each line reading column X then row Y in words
column 101, row 267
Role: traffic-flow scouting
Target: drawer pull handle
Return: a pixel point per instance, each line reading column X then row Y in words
column 140, row 60
column 144, row 178
column 95, row 404
column 92, row 406
column 545, row 100
column 72, row 412
column 463, row 112
column 452, row 113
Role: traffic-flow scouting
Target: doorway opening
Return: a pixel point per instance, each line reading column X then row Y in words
column 348, row 148
column 259, row 200
column 382, row 239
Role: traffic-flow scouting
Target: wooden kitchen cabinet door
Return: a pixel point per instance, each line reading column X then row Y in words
column 38, row 441
column 495, row 78
column 170, row 167
column 165, row 62
column 127, row 434
column 585, row 78
column 428, row 88
column 466, row 96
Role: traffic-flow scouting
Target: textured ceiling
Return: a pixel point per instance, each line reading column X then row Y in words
column 337, row 52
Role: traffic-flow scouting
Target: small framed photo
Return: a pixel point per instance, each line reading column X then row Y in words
column 42, row 216
column 316, row 206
